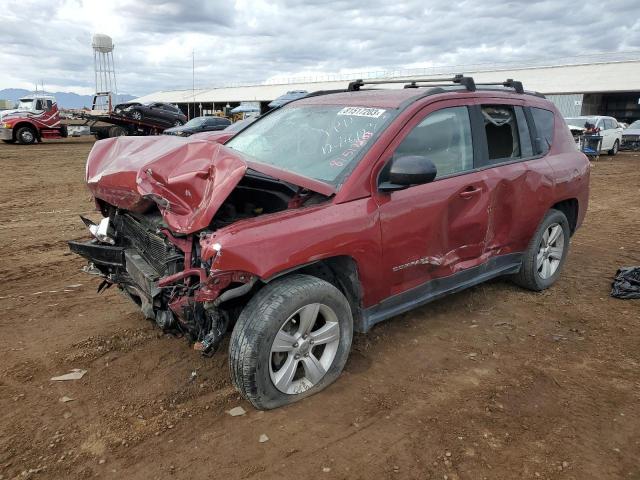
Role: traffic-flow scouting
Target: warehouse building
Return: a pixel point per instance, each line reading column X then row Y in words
column 603, row 84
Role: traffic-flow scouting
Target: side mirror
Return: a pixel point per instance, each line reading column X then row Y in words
column 409, row 170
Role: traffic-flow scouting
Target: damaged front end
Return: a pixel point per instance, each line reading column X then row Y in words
column 163, row 275
column 162, row 200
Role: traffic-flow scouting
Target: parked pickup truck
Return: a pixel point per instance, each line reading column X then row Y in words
column 330, row 214
column 35, row 118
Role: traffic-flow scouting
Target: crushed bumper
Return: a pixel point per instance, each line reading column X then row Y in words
column 632, row 144
column 120, row 265
column 99, row 254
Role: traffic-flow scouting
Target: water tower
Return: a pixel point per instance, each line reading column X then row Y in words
column 105, row 72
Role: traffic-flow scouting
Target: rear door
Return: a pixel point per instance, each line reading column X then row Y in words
column 433, row 230
column 519, row 178
column 212, row 124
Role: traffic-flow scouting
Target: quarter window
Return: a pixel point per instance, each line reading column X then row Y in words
column 523, row 131
column 544, row 126
column 444, row 137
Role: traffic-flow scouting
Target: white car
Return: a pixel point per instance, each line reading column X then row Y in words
column 608, row 127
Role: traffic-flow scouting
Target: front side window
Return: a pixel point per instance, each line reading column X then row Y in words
column 323, row 142
column 544, row 120
column 444, row 137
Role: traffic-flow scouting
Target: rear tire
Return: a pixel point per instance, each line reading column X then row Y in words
column 26, row 136
column 117, row 131
column 544, row 258
column 614, row 150
column 261, row 349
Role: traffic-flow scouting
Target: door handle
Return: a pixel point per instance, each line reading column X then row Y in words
column 469, row 192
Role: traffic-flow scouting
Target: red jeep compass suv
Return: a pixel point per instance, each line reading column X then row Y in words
column 332, row 213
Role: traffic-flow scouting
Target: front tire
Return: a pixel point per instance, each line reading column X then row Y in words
column 26, row 136
column 137, row 115
column 614, row 150
column 291, row 340
column 547, row 251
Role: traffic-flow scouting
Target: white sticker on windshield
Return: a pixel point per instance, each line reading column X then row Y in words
column 362, row 112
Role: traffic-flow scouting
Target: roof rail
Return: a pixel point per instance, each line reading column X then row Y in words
column 460, row 79
column 509, row 83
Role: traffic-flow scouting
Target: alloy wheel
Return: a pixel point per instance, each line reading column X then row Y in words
column 27, row 136
column 304, row 348
column 550, row 251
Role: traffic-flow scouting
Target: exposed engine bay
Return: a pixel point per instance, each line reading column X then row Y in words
column 164, row 273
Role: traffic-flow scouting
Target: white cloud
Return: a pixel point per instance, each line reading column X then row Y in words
column 248, row 41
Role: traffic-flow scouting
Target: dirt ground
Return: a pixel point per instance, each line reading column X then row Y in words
column 494, row 382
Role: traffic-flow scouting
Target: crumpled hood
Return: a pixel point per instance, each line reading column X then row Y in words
column 188, row 179
column 631, row 131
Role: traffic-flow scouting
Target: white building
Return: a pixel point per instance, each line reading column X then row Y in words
column 604, row 84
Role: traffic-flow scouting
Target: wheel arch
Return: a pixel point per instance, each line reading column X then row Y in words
column 570, row 208
column 23, row 123
column 342, row 272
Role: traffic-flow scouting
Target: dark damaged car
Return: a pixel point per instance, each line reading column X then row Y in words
column 331, row 214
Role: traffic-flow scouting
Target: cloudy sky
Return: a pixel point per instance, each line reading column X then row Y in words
column 251, row 41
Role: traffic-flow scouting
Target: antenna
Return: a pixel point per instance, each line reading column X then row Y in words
column 104, row 71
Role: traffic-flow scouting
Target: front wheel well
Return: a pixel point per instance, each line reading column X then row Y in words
column 19, row 125
column 342, row 273
column 570, row 209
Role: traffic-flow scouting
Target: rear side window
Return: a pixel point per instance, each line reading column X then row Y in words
column 544, row 126
column 501, row 129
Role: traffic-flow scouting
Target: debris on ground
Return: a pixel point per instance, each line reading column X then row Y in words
column 237, row 411
column 263, row 438
column 66, row 399
column 75, row 374
column 626, row 283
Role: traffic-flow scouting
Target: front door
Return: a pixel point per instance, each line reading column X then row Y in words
column 607, row 134
column 434, row 230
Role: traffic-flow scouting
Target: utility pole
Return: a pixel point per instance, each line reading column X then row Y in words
column 193, row 79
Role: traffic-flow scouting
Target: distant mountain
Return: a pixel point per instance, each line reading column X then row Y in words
column 65, row 99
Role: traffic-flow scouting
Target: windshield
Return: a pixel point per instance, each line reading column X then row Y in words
column 635, row 124
column 25, row 104
column 195, row 122
column 322, row 142
column 240, row 124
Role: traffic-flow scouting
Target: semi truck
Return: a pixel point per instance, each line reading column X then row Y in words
column 35, row 118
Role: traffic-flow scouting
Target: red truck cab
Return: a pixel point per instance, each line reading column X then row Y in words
column 333, row 213
column 35, row 118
